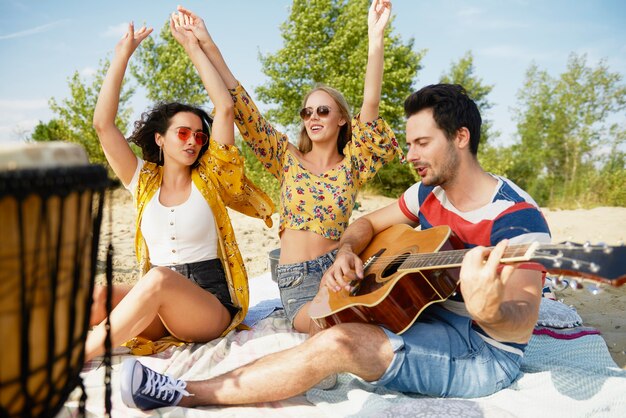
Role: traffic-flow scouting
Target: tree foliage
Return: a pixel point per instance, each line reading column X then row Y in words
column 53, row 130
column 565, row 127
column 74, row 115
column 166, row 72
column 571, row 132
column 462, row 72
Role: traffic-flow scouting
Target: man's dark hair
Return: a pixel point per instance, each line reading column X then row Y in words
column 452, row 109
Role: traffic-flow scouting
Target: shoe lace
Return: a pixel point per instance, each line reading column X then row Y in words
column 163, row 387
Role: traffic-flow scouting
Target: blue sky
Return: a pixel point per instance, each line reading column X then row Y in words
column 42, row 43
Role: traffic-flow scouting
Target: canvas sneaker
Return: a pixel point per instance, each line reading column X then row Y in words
column 144, row 388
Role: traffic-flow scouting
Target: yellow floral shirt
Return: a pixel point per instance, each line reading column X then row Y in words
column 221, row 180
column 318, row 203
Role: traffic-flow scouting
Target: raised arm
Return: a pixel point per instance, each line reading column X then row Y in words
column 115, row 147
column 223, row 130
column 378, row 16
column 197, row 26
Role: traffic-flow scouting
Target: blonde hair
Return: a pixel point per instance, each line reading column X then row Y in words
column 345, row 132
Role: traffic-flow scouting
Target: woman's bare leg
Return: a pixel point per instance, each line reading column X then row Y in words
column 303, row 322
column 187, row 311
column 154, row 331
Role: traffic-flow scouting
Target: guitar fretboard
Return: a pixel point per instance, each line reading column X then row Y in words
column 454, row 258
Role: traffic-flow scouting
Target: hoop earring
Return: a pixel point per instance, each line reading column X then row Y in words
column 160, row 153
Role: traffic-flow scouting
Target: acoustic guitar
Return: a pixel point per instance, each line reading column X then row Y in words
column 406, row 270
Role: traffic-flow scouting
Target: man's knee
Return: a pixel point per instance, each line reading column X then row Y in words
column 345, row 338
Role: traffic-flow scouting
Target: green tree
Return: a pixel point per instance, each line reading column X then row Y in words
column 53, row 130
column 563, row 123
column 462, row 72
column 75, row 114
column 166, row 72
column 325, row 41
column 609, row 186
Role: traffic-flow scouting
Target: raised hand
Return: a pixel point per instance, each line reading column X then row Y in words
column 179, row 27
column 195, row 24
column 131, row 40
column 378, row 16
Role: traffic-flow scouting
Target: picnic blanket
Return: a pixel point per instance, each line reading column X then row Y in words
column 573, row 377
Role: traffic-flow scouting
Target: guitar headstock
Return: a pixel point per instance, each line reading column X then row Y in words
column 602, row 263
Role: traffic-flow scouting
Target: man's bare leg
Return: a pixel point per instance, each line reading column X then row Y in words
column 363, row 350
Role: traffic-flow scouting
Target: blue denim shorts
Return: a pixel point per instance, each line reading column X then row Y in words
column 299, row 282
column 210, row 276
column 442, row 355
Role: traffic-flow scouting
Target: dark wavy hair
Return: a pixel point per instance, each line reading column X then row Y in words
column 158, row 120
column 452, row 108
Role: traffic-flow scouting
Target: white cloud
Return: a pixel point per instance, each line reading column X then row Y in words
column 116, row 31
column 35, row 30
column 88, row 72
column 13, row 105
column 19, row 117
column 17, row 131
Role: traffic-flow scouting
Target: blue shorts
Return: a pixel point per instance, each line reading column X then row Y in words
column 210, row 276
column 299, row 282
column 442, row 355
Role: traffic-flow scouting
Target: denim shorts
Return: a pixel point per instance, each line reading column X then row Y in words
column 210, row 276
column 442, row 355
column 299, row 282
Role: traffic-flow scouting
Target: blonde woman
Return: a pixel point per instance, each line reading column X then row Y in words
column 320, row 178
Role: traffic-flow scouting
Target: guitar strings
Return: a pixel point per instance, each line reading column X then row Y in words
column 456, row 256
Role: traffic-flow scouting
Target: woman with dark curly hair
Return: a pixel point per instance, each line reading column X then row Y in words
column 194, row 285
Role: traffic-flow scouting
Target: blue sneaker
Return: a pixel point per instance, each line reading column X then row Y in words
column 144, row 388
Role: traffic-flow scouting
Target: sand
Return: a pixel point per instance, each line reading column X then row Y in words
column 604, row 311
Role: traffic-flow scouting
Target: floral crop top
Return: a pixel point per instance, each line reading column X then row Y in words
column 318, row 203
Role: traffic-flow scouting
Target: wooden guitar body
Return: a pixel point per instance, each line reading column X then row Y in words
column 388, row 295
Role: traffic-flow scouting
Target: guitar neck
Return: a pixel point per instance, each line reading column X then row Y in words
column 454, row 258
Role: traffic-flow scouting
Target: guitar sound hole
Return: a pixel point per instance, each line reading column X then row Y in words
column 392, row 267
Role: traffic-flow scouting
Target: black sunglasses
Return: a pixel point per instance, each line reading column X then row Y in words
column 307, row 112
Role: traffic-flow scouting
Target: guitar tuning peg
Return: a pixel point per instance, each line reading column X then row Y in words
column 594, row 289
column 587, row 247
column 594, row 267
column 575, row 285
column 558, row 283
column 557, row 262
column 606, row 249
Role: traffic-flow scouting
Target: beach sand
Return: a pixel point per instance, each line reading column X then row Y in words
column 604, row 311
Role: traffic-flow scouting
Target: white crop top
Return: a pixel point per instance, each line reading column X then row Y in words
column 179, row 234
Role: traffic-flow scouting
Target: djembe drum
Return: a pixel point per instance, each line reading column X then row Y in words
column 50, row 213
